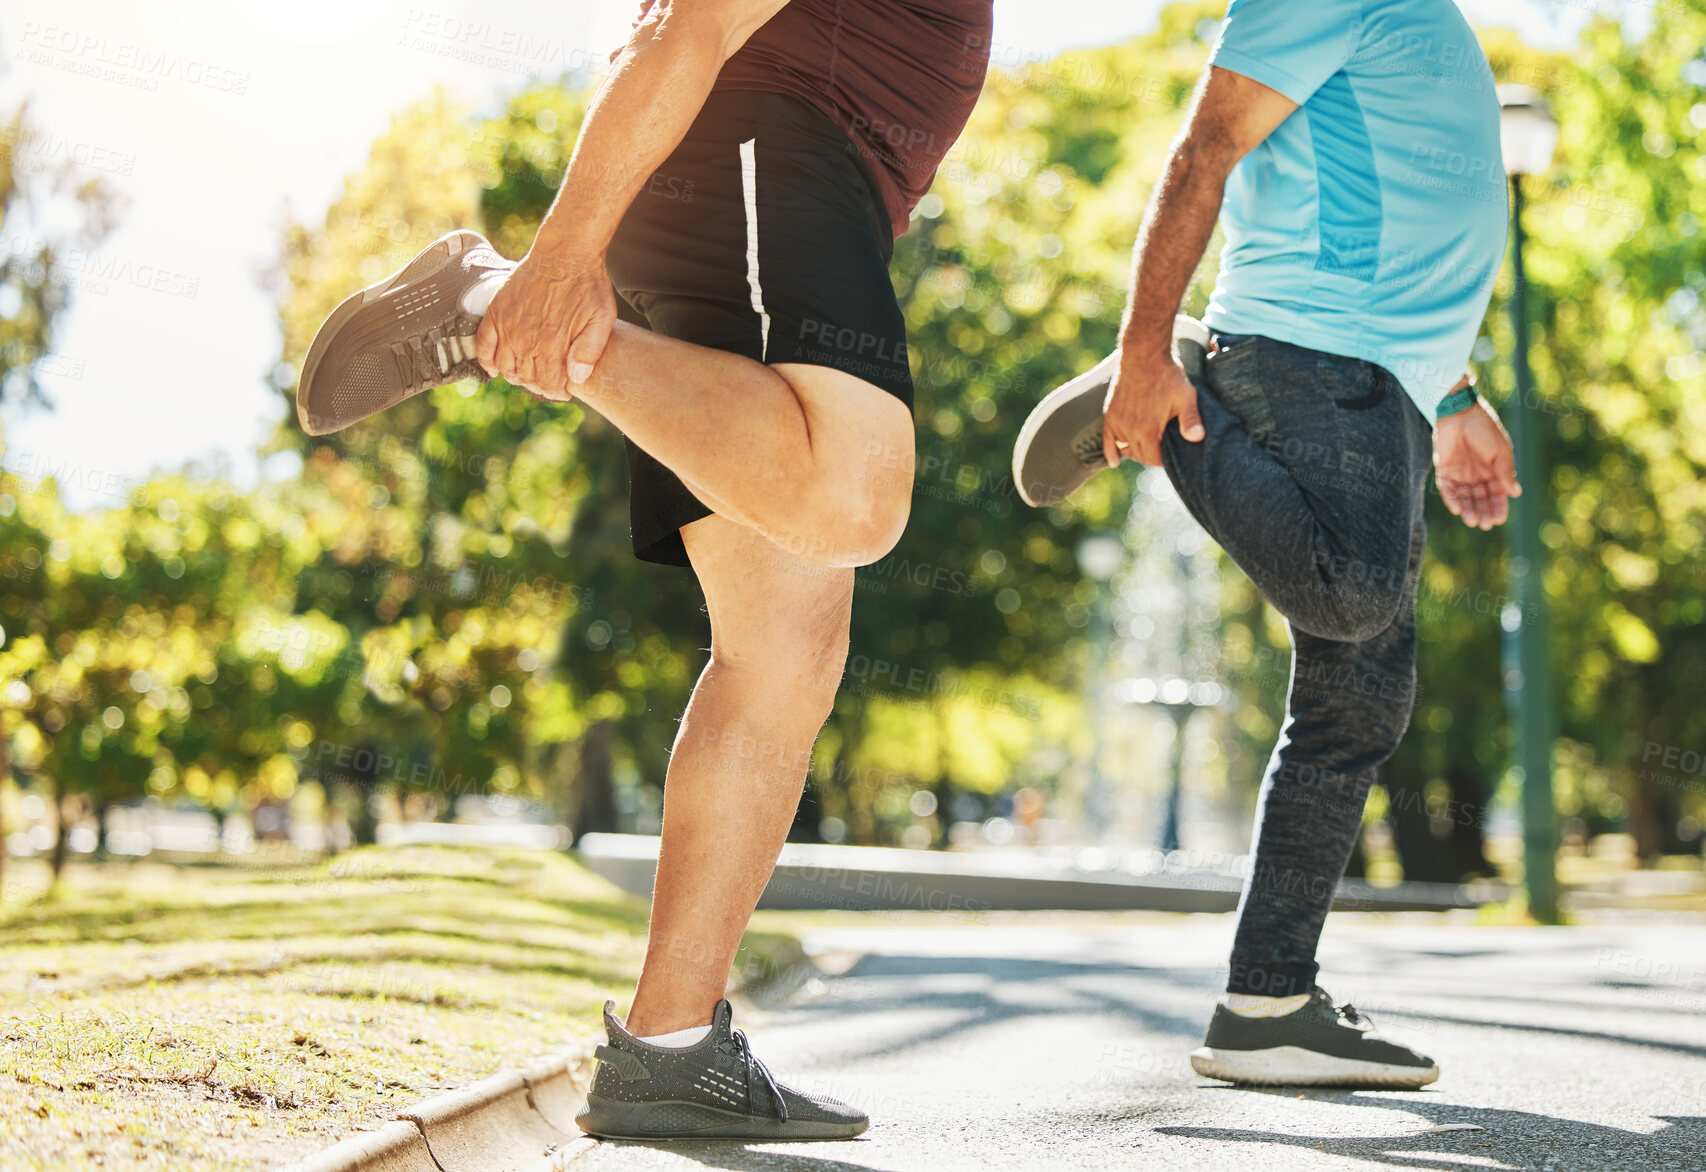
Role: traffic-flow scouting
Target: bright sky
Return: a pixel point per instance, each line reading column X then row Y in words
column 216, row 128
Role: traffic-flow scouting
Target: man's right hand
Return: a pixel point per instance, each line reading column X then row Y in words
column 1147, row 393
column 547, row 327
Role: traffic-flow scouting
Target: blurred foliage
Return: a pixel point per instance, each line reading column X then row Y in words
column 49, row 219
column 445, row 602
column 1617, row 267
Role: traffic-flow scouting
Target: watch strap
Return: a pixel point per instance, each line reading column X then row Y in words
column 1457, row 402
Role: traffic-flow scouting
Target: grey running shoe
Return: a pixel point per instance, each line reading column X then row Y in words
column 1319, row 1045
column 716, row 1088
column 406, row 334
column 1060, row 446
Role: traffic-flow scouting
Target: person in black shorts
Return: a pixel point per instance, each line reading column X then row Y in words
column 712, row 278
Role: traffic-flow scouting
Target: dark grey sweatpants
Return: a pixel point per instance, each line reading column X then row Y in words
column 1311, row 478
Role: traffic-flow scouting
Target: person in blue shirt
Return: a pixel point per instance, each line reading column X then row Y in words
column 1351, row 153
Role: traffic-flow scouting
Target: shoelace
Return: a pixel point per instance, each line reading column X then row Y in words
column 1346, row 1011
column 1089, row 449
column 743, row 1049
column 440, row 344
column 436, row 345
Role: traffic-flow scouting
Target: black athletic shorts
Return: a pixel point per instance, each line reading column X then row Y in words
column 763, row 234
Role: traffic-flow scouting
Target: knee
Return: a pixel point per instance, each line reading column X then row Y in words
column 883, row 511
column 1355, row 599
column 1345, row 612
column 1348, row 623
column 862, row 514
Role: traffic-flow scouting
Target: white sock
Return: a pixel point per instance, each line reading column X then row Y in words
column 479, row 297
column 691, row 1036
column 1250, row 1005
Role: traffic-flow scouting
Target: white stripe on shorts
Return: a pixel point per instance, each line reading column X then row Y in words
column 749, row 189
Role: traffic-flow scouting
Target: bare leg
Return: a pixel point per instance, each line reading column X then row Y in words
column 818, row 461
column 779, row 628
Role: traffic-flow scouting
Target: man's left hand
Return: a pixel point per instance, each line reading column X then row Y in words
column 547, row 327
column 1474, row 466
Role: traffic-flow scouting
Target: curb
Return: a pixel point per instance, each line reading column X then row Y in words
column 514, row 1121
column 396, row 1147
column 815, row 876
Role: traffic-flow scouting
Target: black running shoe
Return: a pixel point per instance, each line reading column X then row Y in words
column 1060, row 446
column 716, row 1088
column 1319, row 1045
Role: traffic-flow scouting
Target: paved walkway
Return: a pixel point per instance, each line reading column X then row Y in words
column 1020, row 1043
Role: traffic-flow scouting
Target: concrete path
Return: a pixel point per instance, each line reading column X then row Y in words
column 1061, row 1041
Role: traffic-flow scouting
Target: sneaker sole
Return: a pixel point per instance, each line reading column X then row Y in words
column 676, row 1119
column 1295, row 1066
column 1069, row 420
column 425, row 263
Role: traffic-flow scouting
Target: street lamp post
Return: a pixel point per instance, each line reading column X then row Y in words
column 1178, row 700
column 1529, row 136
column 1100, row 557
column 1179, row 714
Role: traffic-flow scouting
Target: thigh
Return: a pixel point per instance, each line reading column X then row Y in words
column 1310, row 477
column 761, row 236
column 1341, row 429
column 861, row 435
column 659, row 504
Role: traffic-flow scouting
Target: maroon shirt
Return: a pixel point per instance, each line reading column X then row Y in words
column 900, row 77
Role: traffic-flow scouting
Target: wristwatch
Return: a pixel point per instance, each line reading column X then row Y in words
column 1457, row 402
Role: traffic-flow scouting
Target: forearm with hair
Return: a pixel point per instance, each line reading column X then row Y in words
column 639, row 115
column 1176, row 230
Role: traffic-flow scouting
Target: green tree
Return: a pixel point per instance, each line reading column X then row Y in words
column 497, row 611
column 33, row 302
column 33, row 296
column 446, row 595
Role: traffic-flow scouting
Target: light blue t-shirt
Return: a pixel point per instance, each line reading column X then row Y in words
column 1371, row 223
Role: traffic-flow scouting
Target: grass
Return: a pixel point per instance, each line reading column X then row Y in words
column 223, row 1016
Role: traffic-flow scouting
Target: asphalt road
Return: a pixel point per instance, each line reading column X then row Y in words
column 1062, row 1042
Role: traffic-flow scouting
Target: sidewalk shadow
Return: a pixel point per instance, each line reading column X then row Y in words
column 960, row 1010
column 1687, row 1048
column 746, row 1156
column 1522, row 1138
column 893, row 980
